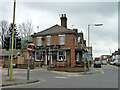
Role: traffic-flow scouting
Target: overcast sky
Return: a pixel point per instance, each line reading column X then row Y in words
column 79, row 14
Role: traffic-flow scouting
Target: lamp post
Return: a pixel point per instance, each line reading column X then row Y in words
column 92, row 49
column 110, row 51
column 110, row 54
column 89, row 41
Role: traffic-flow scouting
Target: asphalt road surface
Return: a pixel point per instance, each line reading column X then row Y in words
column 107, row 79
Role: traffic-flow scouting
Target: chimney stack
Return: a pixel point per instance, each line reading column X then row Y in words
column 64, row 20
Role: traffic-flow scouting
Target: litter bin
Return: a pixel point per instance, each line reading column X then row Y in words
column 14, row 65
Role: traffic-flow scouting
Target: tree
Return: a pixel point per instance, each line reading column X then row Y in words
column 3, row 31
column 25, row 30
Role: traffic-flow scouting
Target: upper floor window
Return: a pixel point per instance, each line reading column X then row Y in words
column 78, row 39
column 48, row 40
column 39, row 41
column 62, row 39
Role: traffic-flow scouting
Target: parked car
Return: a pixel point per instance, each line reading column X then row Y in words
column 111, row 63
column 114, row 63
column 104, row 62
column 118, row 63
column 97, row 64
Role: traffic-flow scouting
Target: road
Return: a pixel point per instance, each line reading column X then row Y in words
column 107, row 79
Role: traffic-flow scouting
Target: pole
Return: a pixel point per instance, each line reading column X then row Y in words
column 49, row 59
column 85, row 66
column 84, row 62
column 28, row 67
column 9, row 57
column 11, row 66
column 88, row 46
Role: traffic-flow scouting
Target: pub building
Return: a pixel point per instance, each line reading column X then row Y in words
column 58, row 46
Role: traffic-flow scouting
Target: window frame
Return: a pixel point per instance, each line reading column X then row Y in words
column 62, row 42
column 78, row 39
column 49, row 39
column 64, row 56
column 41, row 53
column 40, row 41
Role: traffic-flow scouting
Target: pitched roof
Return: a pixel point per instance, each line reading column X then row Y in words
column 56, row 29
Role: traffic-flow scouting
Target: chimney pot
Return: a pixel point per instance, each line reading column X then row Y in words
column 64, row 20
column 64, row 15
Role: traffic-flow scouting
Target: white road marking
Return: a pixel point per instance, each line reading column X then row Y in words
column 68, row 76
column 61, row 77
column 74, row 75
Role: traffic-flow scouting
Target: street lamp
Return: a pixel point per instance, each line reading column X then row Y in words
column 92, row 50
column 110, row 51
column 89, row 41
column 110, row 54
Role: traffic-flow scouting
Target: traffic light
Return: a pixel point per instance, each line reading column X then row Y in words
column 15, row 29
column 6, row 42
column 18, row 43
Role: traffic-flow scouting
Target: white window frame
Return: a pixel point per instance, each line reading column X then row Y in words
column 37, row 41
column 61, row 43
column 47, row 40
column 36, row 56
column 63, row 56
column 77, row 57
column 78, row 39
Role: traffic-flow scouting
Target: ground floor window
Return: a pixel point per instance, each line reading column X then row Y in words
column 39, row 56
column 77, row 57
column 61, row 56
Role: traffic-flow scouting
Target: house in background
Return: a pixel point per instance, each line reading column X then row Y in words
column 59, row 46
column 104, row 57
column 115, row 55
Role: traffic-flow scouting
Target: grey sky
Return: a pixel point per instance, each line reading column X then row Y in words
column 79, row 14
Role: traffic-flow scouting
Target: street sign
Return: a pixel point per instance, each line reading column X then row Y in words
column 89, row 54
column 29, row 49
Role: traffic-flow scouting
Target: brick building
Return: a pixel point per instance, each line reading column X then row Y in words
column 58, row 46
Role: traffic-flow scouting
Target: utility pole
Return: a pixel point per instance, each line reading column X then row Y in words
column 11, row 64
column 88, row 46
column 89, row 41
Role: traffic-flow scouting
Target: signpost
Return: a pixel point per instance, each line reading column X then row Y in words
column 29, row 49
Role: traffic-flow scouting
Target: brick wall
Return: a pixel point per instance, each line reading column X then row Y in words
column 70, row 40
column 55, row 40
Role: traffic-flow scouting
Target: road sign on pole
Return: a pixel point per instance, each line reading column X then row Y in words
column 29, row 49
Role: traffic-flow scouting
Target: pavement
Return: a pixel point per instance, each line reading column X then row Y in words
column 16, row 80
column 20, row 80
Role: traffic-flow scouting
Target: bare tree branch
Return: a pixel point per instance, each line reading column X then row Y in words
column 3, row 30
column 25, row 30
